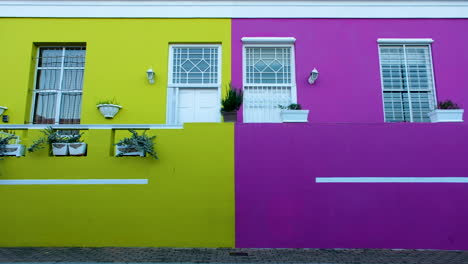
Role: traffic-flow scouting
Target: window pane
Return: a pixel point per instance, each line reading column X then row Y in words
column 74, row 57
column 44, row 111
column 268, row 65
column 50, row 57
column 261, row 103
column 48, row 79
column 72, row 80
column 195, row 65
column 70, row 108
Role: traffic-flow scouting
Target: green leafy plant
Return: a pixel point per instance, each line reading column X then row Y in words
column 3, row 142
column 138, row 142
column 447, row 104
column 53, row 136
column 113, row 101
column 232, row 101
column 291, row 107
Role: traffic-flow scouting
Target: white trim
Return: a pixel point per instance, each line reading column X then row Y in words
column 405, row 41
column 237, row 9
column 73, row 182
column 78, row 127
column 268, row 40
column 391, row 179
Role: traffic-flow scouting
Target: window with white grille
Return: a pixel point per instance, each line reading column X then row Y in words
column 269, row 81
column 407, row 82
column 58, row 85
column 194, row 83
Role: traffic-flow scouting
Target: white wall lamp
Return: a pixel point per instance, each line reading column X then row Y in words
column 150, row 75
column 313, row 76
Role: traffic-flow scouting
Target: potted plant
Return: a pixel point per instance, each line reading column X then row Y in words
column 293, row 113
column 231, row 103
column 136, row 145
column 447, row 111
column 108, row 108
column 7, row 149
column 59, row 143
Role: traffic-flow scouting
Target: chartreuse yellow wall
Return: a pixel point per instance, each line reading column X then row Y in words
column 118, row 53
column 189, row 201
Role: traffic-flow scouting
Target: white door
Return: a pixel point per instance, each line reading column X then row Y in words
column 198, row 105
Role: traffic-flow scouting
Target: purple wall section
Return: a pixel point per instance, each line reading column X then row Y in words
column 345, row 52
column 279, row 204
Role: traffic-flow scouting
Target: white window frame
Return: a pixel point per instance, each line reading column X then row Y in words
column 173, row 88
column 59, row 91
column 270, row 42
column 406, row 42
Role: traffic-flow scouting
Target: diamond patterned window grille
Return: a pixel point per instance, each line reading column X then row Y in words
column 195, row 65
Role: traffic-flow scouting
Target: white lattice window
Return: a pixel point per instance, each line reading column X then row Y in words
column 58, row 85
column 194, row 83
column 269, row 78
column 407, row 81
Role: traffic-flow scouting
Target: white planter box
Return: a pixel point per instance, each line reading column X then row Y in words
column 446, row 115
column 294, row 116
column 13, row 150
column 77, row 149
column 109, row 110
column 2, row 109
column 128, row 151
column 60, row 149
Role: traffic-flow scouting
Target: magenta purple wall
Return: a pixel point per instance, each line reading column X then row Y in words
column 345, row 52
column 278, row 203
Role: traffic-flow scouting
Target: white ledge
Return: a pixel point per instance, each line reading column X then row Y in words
column 391, row 180
column 405, row 41
column 237, row 9
column 73, row 182
column 78, row 127
column 268, row 40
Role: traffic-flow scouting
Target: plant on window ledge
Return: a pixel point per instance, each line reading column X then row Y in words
column 7, row 149
column 60, row 145
column 447, row 111
column 136, row 145
column 293, row 113
column 108, row 108
column 231, row 103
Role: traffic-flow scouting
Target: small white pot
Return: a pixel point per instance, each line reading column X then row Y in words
column 109, row 110
column 446, row 115
column 77, row 149
column 128, row 151
column 2, row 109
column 13, row 150
column 60, row 149
column 294, row 116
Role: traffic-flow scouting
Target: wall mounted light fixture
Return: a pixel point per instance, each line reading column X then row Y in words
column 313, row 76
column 2, row 109
column 150, row 75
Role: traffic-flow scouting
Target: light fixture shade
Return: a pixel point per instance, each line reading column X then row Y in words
column 313, row 76
column 150, row 75
column 2, row 109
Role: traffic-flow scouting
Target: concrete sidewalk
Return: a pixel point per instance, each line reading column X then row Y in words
column 228, row 255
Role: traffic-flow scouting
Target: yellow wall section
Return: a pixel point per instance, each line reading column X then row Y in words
column 189, row 201
column 119, row 51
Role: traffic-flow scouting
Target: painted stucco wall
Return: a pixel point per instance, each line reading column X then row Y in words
column 345, row 52
column 279, row 204
column 188, row 201
column 118, row 53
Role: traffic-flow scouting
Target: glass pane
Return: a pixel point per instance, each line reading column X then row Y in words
column 72, row 80
column 75, row 57
column 44, row 112
column 268, row 65
column 48, row 79
column 421, row 104
column 70, row 108
column 50, row 57
column 195, row 65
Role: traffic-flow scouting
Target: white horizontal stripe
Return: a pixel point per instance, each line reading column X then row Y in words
column 237, row 9
column 405, row 41
column 67, row 182
column 123, row 126
column 391, row 179
column 269, row 40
